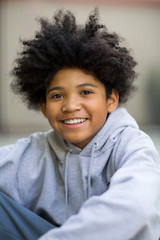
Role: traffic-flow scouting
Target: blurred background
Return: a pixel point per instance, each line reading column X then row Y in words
column 137, row 21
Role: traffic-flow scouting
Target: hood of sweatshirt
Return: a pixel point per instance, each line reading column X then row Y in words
column 105, row 139
column 83, row 171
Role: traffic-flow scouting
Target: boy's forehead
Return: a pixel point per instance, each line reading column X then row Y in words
column 74, row 76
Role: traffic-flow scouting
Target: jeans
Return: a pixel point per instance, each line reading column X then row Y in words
column 18, row 222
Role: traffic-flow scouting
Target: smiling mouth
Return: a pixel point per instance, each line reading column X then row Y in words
column 74, row 121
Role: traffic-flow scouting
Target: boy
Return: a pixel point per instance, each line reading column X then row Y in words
column 96, row 175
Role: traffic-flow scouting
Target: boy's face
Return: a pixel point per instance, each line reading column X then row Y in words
column 76, row 105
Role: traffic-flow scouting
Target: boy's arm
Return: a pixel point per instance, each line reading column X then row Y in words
column 130, row 208
column 8, row 169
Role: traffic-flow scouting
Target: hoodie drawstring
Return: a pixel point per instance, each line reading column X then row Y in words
column 89, row 169
column 66, row 180
column 89, row 175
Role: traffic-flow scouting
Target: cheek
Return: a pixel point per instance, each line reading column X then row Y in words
column 50, row 113
column 102, row 111
column 101, row 118
column 99, row 114
column 100, row 108
column 52, row 121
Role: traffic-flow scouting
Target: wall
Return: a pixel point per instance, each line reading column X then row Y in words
column 138, row 24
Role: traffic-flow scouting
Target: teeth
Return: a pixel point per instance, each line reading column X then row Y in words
column 73, row 121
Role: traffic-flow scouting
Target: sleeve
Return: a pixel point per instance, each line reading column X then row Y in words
column 8, row 171
column 130, row 208
column 11, row 157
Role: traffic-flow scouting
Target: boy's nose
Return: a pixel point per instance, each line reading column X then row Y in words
column 71, row 104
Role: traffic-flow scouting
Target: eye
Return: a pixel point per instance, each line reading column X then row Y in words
column 86, row 92
column 57, row 96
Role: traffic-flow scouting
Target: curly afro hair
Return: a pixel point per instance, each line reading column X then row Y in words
column 62, row 43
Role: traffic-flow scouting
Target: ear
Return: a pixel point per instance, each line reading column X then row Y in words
column 113, row 101
column 43, row 108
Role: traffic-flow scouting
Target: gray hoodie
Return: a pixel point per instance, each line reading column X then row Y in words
column 110, row 190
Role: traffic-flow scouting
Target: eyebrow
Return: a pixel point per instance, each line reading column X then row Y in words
column 86, row 85
column 55, row 88
column 78, row 86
